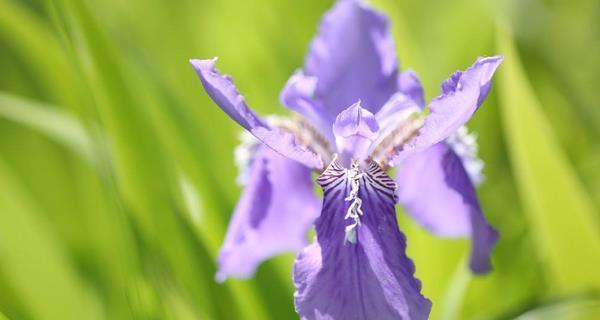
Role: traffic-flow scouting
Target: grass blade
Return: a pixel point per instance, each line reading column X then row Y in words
column 51, row 121
column 561, row 216
column 584, row 309
column 35, row 261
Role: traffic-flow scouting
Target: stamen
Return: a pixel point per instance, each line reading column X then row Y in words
column 355, row 209
column 305, row 135
column 406, row 130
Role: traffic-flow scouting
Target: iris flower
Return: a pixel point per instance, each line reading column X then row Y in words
column 355, row 115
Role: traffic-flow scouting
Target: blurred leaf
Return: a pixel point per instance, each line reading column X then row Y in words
column 584, row 309
column 139, row 131
column 35, row 262
column 49, row 120
column 455, row 292
column 106, row 251
column 561, row 216
column 29, row 36
column 140, row 168
column 179, row 307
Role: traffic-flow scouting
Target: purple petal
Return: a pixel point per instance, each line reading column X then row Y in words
column 394, row 113
column 353, row 57
column 398, row 103
column 370, row 279
column 298, row 94
column 449, row 85
column 410, row 96
column 275, row 211
column 355, row 129
column 397, row 124
column 409, row 84
column 461, row 95
column 224, row 93
column 435, row 190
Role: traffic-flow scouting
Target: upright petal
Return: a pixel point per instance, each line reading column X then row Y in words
column 369, row 279
column 224, row 93
column 353, row 57
column 394, row 115
column 274, row 213
column 461, row 95
column 410, row 85
column 397, row 104
column 408, row 100
column 298, row 94
column 435, row 190
column 355, row 129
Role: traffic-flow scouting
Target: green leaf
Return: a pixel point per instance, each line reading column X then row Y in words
column 35, row 261
column 456, row 288
column 561, row 216
column 57, row 124
column 584, row 309
column 27, row 34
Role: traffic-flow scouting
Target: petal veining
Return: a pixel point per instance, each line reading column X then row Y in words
column 370, row 279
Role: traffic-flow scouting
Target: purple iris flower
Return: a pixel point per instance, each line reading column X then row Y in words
column 355, row 116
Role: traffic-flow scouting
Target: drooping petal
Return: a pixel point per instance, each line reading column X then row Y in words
column 353, row 57
column 369, row 279
column 224, row 93
column 355, row 129
column 276, row 209
column 461, row 95
column 435, row 190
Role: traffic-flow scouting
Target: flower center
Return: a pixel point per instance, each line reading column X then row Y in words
column 354, row 212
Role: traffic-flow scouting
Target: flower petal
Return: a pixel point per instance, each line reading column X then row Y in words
column 370, row 279
column 273, row 215
column 355, row 129
column 353, row 57
column 461, row 95
column 435, row 190
column 409, row 84
column 224, row 93
column 298, row 94
column 394, row 113
column 408, row 100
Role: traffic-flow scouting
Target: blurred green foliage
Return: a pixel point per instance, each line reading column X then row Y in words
column 117, row 175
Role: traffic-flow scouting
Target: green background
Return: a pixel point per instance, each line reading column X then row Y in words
column 117, row 172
